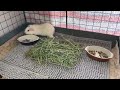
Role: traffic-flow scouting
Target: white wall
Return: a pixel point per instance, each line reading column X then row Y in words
column 10, row 20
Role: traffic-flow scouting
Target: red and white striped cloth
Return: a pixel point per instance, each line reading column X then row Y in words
column 106, row 22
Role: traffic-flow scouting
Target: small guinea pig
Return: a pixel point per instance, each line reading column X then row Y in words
column 44, row 29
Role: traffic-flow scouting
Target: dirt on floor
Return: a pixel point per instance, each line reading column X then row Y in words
column 114, row 64
column 6, row 47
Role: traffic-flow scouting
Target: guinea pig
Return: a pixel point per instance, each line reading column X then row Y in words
column 44, row 29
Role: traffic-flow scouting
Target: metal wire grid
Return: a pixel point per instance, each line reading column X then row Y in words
column 106, row 22
column 57, row 18
column 10, row 20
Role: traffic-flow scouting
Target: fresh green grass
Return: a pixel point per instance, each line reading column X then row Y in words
column 61, row 52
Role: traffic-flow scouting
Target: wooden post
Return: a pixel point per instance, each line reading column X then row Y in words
column 119, row 46
column 1, row 76
column 118, row 40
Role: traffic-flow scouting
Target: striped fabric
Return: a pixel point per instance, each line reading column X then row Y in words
column 56, row 18
column 106, row 22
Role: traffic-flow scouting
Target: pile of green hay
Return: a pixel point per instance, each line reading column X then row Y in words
column 61, row 52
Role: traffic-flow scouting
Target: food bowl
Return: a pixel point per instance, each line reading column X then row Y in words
column 98, row 53
column 28, row 39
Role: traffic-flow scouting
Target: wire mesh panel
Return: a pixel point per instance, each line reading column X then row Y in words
column 56, row 18
column 10, row 20
column 106, row 22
